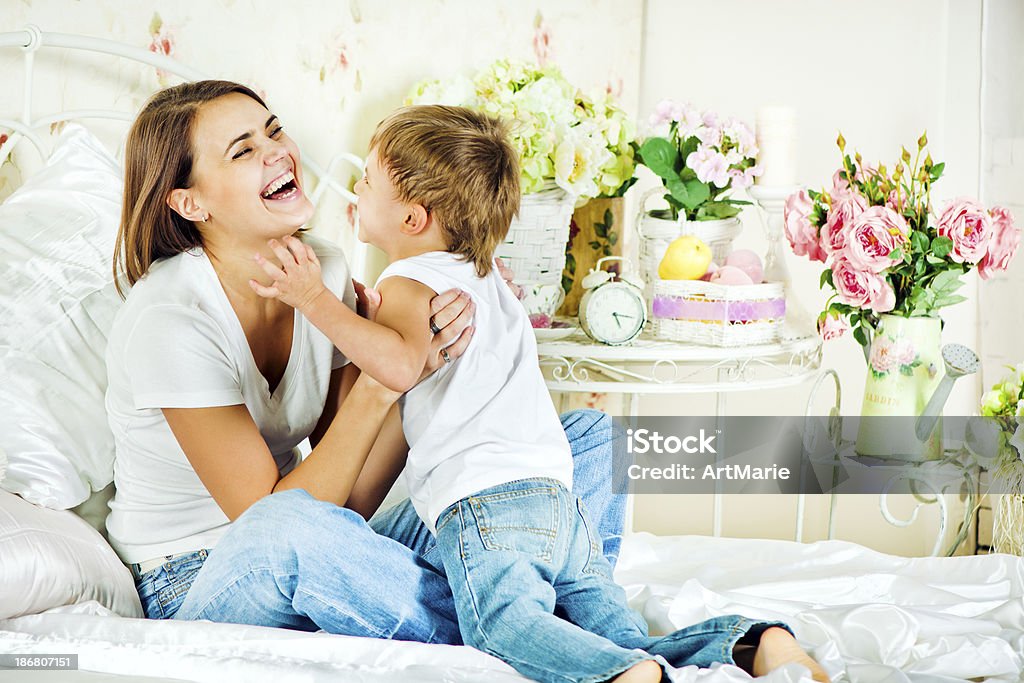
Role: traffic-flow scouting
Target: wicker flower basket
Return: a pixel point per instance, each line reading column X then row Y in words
column 718, row 315
column 657, row 233
column 535, row 246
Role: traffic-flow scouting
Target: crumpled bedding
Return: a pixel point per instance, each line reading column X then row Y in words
column 867, row 616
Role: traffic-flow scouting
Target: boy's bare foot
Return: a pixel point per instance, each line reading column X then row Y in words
column 648, row 671
column 778, row 647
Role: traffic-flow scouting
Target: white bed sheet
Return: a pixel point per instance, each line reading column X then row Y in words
column 870, row 616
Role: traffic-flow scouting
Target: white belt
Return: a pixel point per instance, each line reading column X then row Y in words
column 158, row 561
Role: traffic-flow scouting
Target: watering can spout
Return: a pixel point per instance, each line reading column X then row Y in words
column 960, row 361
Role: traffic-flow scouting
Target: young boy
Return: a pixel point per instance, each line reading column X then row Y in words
column 489, row 469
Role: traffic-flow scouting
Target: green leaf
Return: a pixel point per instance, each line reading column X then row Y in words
column 946, row 282
column 688, row 147
column 826, row 278
column 613, row 238
column 906, row 371
column 719, row 210
column 949, row 300
column 941, row 246
column 697, row 194
column 570, row 263
column 660, row 155
column 896, row 254
column 937, row 170
column 919, row 241
column 860, row 336
column 594, row 244
column 609, row 218
column 680, row 192
column 601, row 230
column 566, row 284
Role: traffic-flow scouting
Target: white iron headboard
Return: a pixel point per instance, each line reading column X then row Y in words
column 26, row 124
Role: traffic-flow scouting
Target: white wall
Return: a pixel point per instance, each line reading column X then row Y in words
column 1002, row 312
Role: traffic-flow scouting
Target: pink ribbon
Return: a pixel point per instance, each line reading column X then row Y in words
column 725, row 311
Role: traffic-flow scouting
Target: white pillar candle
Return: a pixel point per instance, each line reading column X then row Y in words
column 775, row 131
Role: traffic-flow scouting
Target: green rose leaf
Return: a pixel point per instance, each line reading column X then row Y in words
column 919, row 241
column 659, row 155
column 941, row 246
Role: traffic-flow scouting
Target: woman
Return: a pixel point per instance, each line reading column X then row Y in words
column 211, row 388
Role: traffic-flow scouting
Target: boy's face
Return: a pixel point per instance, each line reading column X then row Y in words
column 381, row 213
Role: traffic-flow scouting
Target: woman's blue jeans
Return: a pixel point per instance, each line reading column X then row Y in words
column 292, row 561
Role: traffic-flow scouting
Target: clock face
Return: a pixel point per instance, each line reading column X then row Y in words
column 615, row 313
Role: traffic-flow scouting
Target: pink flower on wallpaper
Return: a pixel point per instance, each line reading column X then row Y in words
column 542, row 49
column 614, row 88
column 161, row 43
column 343, row 60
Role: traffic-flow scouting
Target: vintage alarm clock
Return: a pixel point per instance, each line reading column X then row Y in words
column 613, row 310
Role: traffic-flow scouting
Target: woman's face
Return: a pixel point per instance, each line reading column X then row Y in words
column 247, row 175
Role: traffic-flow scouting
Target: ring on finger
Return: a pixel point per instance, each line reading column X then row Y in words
column 444, row 354
column 433, row 326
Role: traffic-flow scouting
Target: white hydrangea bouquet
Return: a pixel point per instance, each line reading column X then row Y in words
column 583, row 144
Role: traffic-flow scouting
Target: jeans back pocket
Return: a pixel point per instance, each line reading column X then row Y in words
column 524, row 520
column 163, row 589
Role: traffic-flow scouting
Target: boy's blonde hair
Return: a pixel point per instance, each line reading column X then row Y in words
column 461, row 167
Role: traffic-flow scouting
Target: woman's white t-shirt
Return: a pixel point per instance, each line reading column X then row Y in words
column 177, row 343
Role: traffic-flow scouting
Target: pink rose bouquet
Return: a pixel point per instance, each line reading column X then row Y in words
column 887, row 250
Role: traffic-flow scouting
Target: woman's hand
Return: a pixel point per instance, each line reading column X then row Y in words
column 451, row 314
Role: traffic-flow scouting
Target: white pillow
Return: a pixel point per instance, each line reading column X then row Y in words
column 57, row 304
column 50, row 558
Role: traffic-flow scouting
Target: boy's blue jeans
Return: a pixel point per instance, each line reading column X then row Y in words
column 515, row 552
column 292, row 561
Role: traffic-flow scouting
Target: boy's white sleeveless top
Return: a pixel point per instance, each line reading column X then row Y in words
column 177, row 343
column 487, row 418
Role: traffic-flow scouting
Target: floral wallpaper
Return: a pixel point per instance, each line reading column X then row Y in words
column 331, row 70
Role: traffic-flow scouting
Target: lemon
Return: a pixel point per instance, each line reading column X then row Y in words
column 687, row 258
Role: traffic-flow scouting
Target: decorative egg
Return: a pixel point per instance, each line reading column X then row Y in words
column 749, row 262
column 731, row 275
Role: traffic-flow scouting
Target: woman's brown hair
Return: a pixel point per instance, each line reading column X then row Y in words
column 158, row 158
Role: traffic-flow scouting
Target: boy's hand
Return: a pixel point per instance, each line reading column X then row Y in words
column 298, row 281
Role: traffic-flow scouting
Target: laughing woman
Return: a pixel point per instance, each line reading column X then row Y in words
column 212, row 388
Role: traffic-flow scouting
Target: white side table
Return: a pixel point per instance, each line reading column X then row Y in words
column 652, row 366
